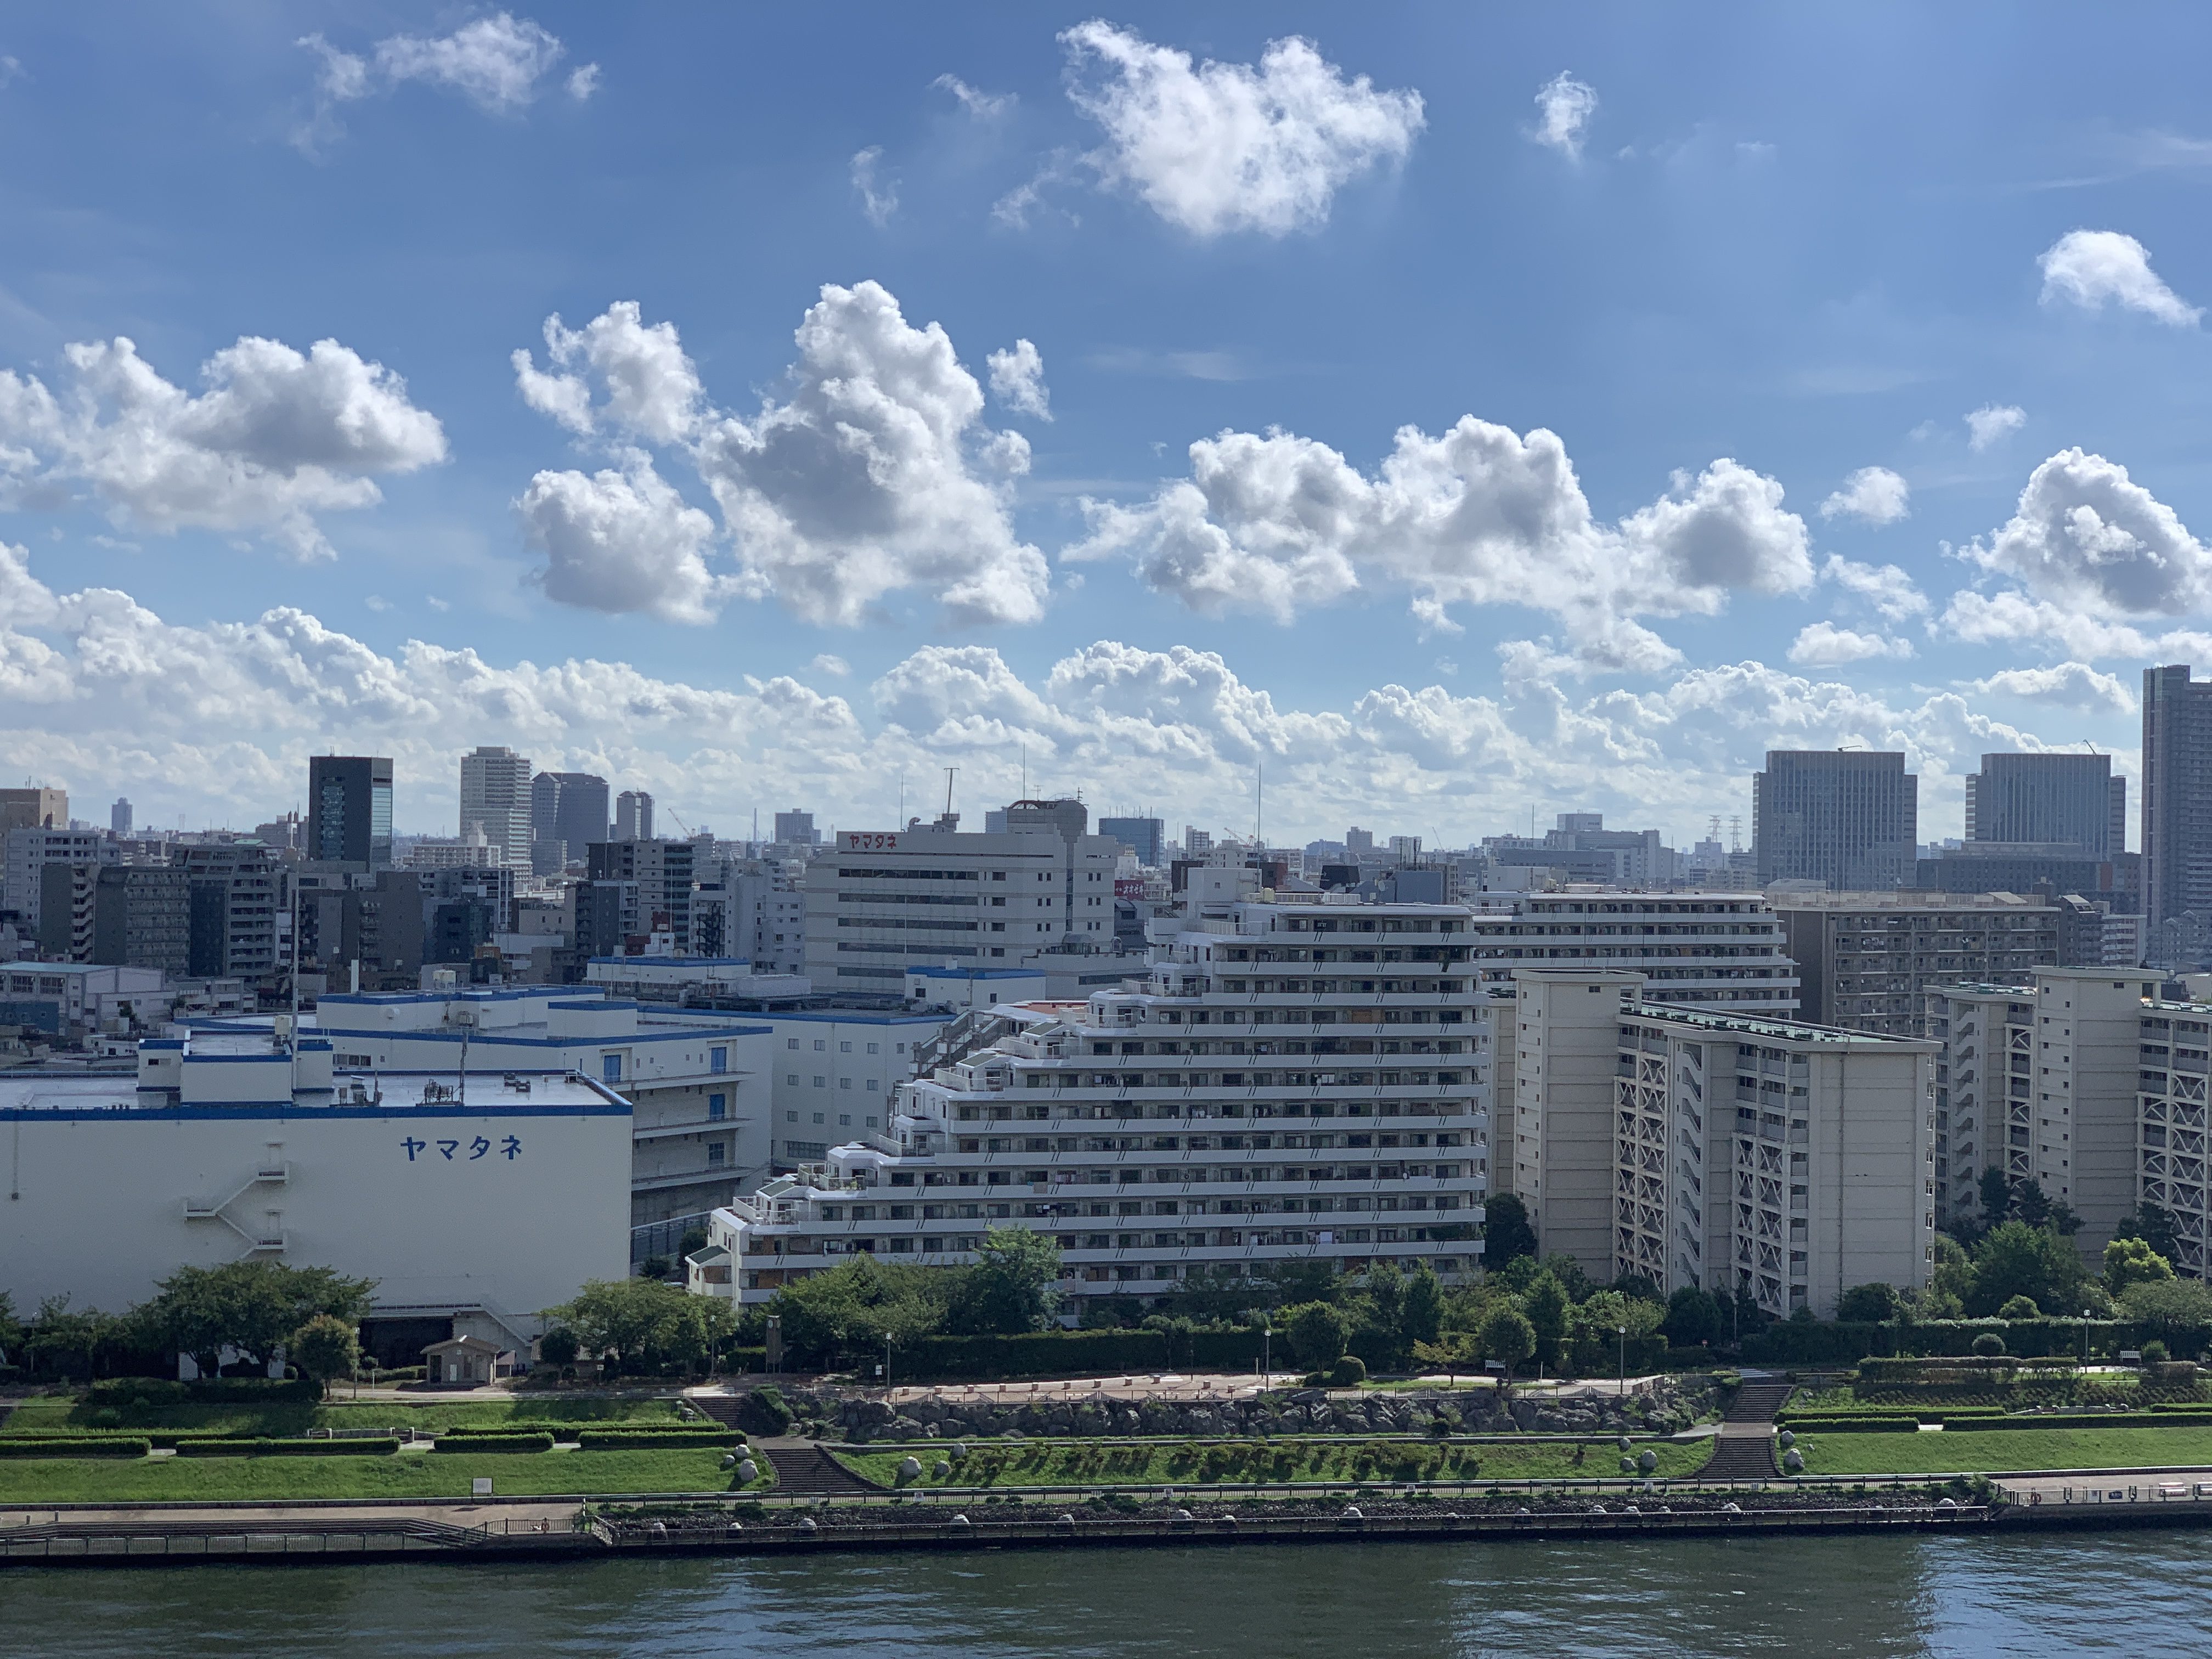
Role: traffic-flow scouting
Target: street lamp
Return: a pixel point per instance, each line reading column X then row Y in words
column 1622, row 1332
column 1267, row 1356
column 2085, row 1339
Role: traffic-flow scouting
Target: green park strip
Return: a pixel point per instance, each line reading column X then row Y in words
column 211, row 1480
column 1966, row 1450
column 281, row 1419
column 1096, row 1463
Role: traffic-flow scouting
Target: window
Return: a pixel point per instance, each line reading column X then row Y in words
column 844, row 1083
column 791, row 1043
column 791, row 1117
column 844, row 1048
column 792, row 1078
column 718, row 1153
column 718, row 1108
column 718, row 1060
column 819, row 1045
column 902, row 1047
column 611, row 1068
column 820, row 1082
column 872, row 1086
column 873, row 1048
column 818, row 1117
column 844, row 1120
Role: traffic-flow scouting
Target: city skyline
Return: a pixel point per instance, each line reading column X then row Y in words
column 1796, row 479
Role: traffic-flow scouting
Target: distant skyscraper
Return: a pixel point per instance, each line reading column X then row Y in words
column 795, row 826
column 1143, row 836
column 633, row 816
column 567, row 813
column 2053, row 799
column 495, row 798
column 119, row 817
column 1848, row 818
column 349, row 809
column 1358, row 840
column 2177, row 792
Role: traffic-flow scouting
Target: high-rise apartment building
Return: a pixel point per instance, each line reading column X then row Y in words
column 1146, row 837
column 569, row 810
column 1848, row 818
column 634, row 816
column 29, row 850
column 2051, row 801
column 119, row 816
column 124, row 915
column 1774, row 1159
column 796, row 829
column 349, row 810
column 2177, row 792
column 1867, row 961
column 1720, row 952
column 33, row 807
column 238, row 894
column 1290, row 1084
column 656, row 877
column 496, row 801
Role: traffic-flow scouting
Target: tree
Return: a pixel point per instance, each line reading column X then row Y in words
column 1449, row 1353
column 1506, row 1233
column 2152, row 1224
column 2171, row 1306
column 11, row 1330
column 1213, row 1290
column 2130, row 1262
column 2018, row 1307
column 1545, row 1307
column 1694, row 1317
column 252, row 1307
column 68, row 1342
column 1013, row 1286
column 558, row 1347
column 2029, row 1205
column 641, row 1324
column 1997, row 1195
column 1317, row 1334
column 325, row 1348
column 1871, row 1303
column 1506, row 1336
column 1422, row 1314
column 1568, row 1272
column 2018, row 1260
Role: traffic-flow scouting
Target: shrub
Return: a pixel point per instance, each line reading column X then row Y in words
column 231, row 1446
column 764, row 1411
column 1348, row 1372
column 651, row 1439
column 2154, row 1352
column 75, row 1446
column 493, row 1443
column 2018, row 1307
column 1988, row 1344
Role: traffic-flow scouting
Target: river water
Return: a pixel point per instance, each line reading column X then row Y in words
column 2139, row 1594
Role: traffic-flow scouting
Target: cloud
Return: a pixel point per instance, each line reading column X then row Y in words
column 499, row 63
column 1283, row 525
column 828, row 663
column 276, row 438
column 217, row 721
column 1823, row 645
column 874, row 474
column 1564, row 106
column 1228, row 147
column 983, row 106
column 1887, row 587
column 2090, row 267
column 2064, row 685
column 1993, row 421
column 877, row 202
column 622, row 541
column 2087, row 537
column 1017, row 380
column 1874, row 493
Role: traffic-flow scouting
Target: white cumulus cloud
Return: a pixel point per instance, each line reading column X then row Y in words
column 1564, row 107
column 499, row 63
column 1873, row 493
column 1824, row 644
column 2092, row 268
column 875, row 474
column 878, row 196
column 1479, row 515
column 277, row 437
column 2064, row 685
column 1992, row 423
column 1887, row 587
column 1217, row 148
column 2085, row 535
column 622, row 541
column 1017, row 380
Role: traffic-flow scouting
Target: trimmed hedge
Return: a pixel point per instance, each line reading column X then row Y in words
column 1955, row 1422
column 1044, row 1353
column 75, row 1446
column 486, row 1443
column 651, row 1439
column 1841, row 1342
column 218, row 1447
column 122, row 1392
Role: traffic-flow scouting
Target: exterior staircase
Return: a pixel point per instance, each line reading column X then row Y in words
column 1744, row 1448
column 803, row 1468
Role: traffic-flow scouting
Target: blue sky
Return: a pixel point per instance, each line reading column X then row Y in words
column 1755, row 253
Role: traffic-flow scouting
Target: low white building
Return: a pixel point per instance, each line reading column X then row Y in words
column 482, row 1207
column 1292, row 1082
column 62, row 998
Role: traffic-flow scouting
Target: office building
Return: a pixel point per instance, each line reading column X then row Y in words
column 1999, row 867
column 349, row 810
column 119, row 817
column 1720, row 952
column 2059, row 800
column 1867, row 961
column 889, row 899
column 2177, row 793
column 496, row 801
column 29, row 850
column 653, row 882
column 33, row 807
column 1578, row 848
column 1848, row 819
column 1771, row 1159
column 699, row 1088
column 1350, row 1125
column 134, row 915
column 634, row 816
column 472, row 1213
column 1146, row 837
column 2040, row 1080
column 796, row 829
column 569, row 811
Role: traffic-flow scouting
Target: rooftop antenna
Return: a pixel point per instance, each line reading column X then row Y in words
column 949, row 771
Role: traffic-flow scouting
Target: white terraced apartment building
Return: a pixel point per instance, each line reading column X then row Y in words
column 1719, row 950
column 1292, row 1083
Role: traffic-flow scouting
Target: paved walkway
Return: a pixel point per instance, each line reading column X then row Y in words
column 306, row 1517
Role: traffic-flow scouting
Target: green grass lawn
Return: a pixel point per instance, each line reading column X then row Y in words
column 1068, row 1463
column 408, row 1475
column 1966, row 1450
column 285, row 1419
